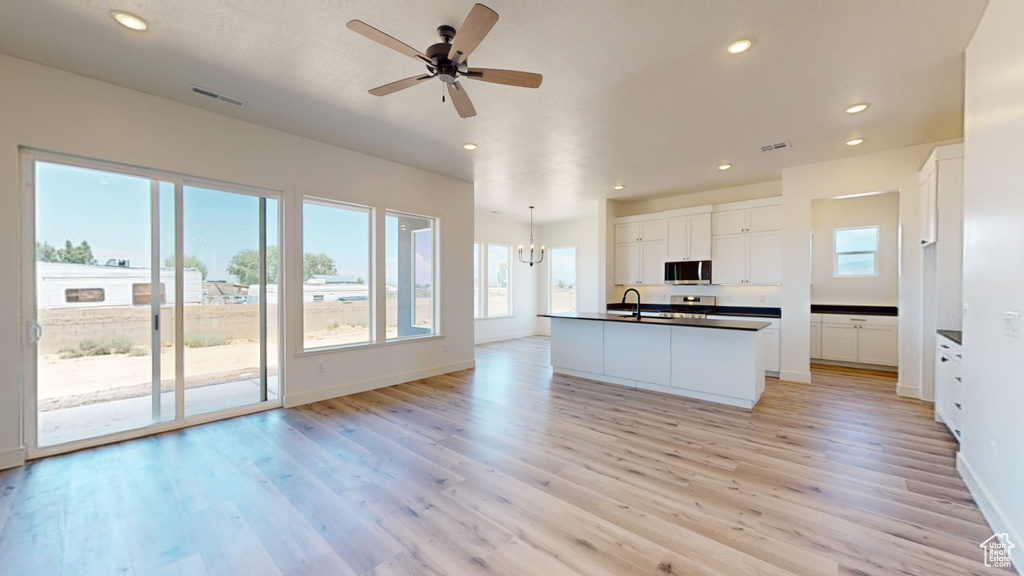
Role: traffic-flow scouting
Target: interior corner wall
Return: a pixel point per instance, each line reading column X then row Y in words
column 896, row 170
column 882, row 289
column 48, row 109
column 992, row 451
column 523, row 321
column 582, row 234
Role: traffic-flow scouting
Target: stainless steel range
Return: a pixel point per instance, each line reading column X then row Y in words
column 689, row 307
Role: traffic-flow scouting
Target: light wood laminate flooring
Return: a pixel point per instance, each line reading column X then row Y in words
column 507, row 470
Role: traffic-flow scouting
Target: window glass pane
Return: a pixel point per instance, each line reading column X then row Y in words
column 498, row 302
column 855, row 264
column 856, row 239
column 563, row 280
column 336, row 302
column 476, row 280
column 409, row 274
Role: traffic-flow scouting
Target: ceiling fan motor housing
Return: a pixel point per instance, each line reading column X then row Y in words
column 446, row 71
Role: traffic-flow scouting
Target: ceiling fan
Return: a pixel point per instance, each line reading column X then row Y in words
column 447, row 59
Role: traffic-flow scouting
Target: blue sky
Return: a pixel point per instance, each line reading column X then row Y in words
column 112, row 212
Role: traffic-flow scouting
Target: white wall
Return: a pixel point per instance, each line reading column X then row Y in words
column 583, row 234
column 523, row 322
column 881, row 210
column 52, row 110
column 890, row 170
column 718, row 196
column 992, row 456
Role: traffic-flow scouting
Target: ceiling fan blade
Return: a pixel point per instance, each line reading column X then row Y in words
column 479, row 22
column 461, row 100
column 399, row 85
column 507, row 77
column 382, row 38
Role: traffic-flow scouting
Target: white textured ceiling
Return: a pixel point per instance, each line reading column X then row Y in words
column 640, row 93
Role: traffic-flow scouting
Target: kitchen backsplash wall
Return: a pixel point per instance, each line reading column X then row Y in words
column 764, row 296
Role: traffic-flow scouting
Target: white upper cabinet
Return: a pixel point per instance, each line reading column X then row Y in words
column 729, row 259
column 652, row 230
column 764, row 218
column 652, row 262
column 928, row 203
column 689, row 238
column 729, row 222
column 626, row 233
column 627, row 264
column 764, row 257
column 700, row 236
column 747, row 243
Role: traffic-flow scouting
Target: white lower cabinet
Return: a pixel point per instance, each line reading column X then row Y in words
column 771, row 341
column 949, row 385
column 815, row 336
column 860, row 339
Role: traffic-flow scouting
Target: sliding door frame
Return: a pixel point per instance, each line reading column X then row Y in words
column 28, row 157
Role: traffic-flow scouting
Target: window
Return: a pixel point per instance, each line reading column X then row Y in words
column 410, row 271
column 336, row 304
column 562, row 280
column 84, row 295
column 476, row 280
column 855, row 251
column 499, row 277
column 142, row 294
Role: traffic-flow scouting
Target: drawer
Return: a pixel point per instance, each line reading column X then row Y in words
column 860, row 319
column 816, row 318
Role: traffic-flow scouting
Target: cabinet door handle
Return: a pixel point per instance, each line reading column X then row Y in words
column 959, row 379
column 943, row 346
column 959, row 356
column 944, row 359
column 858, row 320
column 958, row 405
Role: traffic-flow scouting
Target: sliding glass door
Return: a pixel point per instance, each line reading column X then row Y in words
column 154, row 300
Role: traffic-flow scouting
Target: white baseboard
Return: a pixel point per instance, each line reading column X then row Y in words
column 670, row 390
column 990, row 510
column 293, row 400
column 908, row 391
column 799, row 377
column 512, row 336
column 12, row 458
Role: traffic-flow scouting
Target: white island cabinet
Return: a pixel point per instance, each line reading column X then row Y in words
column 718, row 360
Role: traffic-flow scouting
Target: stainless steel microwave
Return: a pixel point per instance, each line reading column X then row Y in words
column 688, row 272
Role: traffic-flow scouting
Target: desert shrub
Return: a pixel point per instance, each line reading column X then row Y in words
column 205, row 341
column 98, row 348
column 139, row 351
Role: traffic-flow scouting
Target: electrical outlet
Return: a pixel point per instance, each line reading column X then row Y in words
column 320, row 367
column 728, row 299
column 1012, row 321
column 762, row 299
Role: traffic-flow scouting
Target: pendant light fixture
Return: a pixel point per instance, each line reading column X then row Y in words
column 531, row 261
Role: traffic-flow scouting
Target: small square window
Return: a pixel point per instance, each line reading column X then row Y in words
column 83, row 295
column 855, row 251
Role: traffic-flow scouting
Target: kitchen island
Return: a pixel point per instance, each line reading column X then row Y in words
column 717, row 360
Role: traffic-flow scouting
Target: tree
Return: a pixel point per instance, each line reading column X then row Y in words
column 317, row 264
column 189, row 262
column 502, row 275
column 245, row 266
column 69, row 254
column 360, row 280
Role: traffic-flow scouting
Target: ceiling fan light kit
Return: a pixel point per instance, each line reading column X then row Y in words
column 447, row 60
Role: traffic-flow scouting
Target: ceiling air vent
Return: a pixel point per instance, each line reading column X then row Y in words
column 211, row 94
column 778, row 146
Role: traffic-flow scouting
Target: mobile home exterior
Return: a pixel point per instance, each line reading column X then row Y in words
column 62, row 285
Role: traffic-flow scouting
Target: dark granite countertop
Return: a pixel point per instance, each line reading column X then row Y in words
column 716, row 311
column 692, row 322
column 848, row 309
column 954, row 335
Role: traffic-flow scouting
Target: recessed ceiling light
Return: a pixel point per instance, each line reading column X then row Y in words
column 739, row 46
column 469, row 146
column 856, row 108
column 619, row 186
column 855, row 142
column 129, row 20
column 725, row 166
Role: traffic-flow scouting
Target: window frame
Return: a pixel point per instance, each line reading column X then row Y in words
column 576, row 280
column 874, row 253
column 478, row 308
column 484, row 285
column 435, row 271
column 370, row 212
